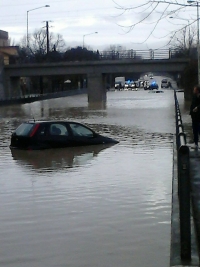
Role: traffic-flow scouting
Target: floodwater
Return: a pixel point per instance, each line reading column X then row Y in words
column 92, row 206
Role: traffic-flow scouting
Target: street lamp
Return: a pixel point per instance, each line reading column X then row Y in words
column 188, row 25
column 86, row 35
column 179, row 18
column 198, row 52
column 27, row 39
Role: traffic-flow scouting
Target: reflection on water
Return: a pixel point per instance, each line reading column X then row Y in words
column 57, row 159
column 90, row 206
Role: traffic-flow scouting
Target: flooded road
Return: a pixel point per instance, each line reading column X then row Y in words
column 95, row 206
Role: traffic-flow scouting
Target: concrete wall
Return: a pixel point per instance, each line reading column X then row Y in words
column 2, row 93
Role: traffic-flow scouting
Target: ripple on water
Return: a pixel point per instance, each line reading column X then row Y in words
column 94, row 206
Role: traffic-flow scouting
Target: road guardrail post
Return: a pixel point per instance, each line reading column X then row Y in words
column 183, row 161
column 184, row 201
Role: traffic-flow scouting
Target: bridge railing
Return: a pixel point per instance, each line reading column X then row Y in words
column 131, row 54
column 183, row 167
column 141, row 54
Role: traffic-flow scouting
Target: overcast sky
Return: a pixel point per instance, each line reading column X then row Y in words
column 76, row 20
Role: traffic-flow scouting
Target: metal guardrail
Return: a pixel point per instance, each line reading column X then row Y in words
column 183, row 185
column 131, row 54
column 141, row 54
column 39, row 97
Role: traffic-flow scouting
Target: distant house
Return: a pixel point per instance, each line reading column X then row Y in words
column 9, row 53
column 4, row 38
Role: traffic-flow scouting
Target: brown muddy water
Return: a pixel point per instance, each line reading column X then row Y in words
column 91, row 206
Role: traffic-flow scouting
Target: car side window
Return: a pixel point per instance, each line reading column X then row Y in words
column 58, row 129
column 80, row 130
column 42, row 130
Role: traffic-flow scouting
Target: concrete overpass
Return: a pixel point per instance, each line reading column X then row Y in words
column 96, row 72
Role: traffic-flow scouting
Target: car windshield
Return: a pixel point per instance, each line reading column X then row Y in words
column 164, row 81
column 24, row 129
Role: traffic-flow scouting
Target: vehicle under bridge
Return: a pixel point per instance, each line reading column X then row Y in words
column 97, row 73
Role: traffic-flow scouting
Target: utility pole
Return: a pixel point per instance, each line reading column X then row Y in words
column 47, row 28
column 47, row 33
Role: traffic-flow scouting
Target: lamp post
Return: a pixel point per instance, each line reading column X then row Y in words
column 198, row 52
column 27, row 39
column 171, row 17
column 86, row 35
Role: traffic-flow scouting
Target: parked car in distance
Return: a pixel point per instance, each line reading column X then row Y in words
column 55, row 134
column 126, row 86
column 119, row 86
column 164, row 83
column 151, row 75
column 133, row 86
column 119, row 83
column 146, row 85
column 153, row 85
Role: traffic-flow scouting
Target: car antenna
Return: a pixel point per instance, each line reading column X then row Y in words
column 32, row 114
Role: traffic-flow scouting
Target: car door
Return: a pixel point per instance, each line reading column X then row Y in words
column 54, row 135
column 60, row 135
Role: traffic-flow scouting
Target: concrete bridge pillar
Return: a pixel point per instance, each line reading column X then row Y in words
column 12, row 87
column 17, row 91
column 96, row 88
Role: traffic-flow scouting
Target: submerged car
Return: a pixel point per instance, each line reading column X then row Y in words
column 55, row 134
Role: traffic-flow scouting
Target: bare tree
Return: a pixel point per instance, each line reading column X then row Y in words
column 153, row 12
column 38, row 42
column 57, row 42
column 116, row 48
column 114, row 51
column 185, row 39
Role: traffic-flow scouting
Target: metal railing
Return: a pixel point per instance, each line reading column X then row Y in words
column 183, row 159
column 141, row 54
column 131, row 54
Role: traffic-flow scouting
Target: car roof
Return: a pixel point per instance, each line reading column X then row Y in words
column 50, row 121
